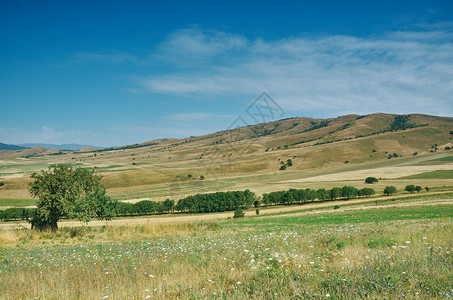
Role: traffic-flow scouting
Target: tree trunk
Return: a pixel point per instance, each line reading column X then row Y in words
column 54, row 224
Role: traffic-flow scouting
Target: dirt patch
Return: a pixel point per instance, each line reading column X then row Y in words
column 384, row 173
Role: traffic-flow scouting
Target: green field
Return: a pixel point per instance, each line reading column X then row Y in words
column 17, row 202
column 352, row 217
column 439, row 174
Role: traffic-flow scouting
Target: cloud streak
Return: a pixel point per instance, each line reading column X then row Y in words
column 404, row 71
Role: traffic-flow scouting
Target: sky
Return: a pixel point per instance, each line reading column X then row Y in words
column 111, row 73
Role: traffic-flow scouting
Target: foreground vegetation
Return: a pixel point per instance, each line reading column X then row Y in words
column 374, row 253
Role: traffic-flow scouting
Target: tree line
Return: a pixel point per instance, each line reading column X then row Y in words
column 302, row 196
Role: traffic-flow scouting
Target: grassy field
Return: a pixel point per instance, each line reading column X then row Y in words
column 440, row 174
column 17, row 202
column 374, row 253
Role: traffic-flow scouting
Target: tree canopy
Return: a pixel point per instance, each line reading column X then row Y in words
column 63, row 191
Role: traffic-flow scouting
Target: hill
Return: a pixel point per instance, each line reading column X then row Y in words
column 70, row 147
column 10, row 147
column 289, row 153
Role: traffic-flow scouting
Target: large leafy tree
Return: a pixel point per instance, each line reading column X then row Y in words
column 63, row 191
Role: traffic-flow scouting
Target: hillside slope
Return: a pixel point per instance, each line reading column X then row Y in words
column 251, row 154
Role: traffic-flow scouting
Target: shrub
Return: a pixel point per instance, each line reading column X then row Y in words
column 427, row 188
column 289, row 162
column 418, row 188
column 2, row 183
column 238, row 213
column 257, row 211
column 336, row 207
column 283, row 167
column 371, row 180
column 202, row 177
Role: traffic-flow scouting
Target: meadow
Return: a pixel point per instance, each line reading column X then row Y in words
column 396, row 252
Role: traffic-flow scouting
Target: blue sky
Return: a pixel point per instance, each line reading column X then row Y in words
column 120, row 72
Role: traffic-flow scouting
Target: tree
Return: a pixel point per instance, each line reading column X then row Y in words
column 63, row 191
column 283, row 167
column 289, row 162
column 418, row 188
column 427, row 188
column 169, row 205
column 349, row 192
column 335, row 193
column 238, row 213
column 367, row 192
column 202, row 177
column 2, row 183
column 389, row 190
column 410, row 188
column 371, row 180
column 189, row 176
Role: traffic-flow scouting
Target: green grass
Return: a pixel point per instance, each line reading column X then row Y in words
column 353, row 217
column 446, row 158
column 439, row 174
column 17, row 202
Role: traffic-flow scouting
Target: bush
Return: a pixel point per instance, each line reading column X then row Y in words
column 371, row 180
column 418, row 188
column 283, row 167
column 238, row 213
column 257, row 211
column 2, row 183
column 427, row 188
column 336, row 207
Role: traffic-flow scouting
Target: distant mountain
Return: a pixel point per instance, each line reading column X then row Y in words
column 10, row 147
column 72, row 147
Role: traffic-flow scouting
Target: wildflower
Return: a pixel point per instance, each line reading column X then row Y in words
column 152, row 276
column 238, row 282
column 327, row 295
column 148, row 297
column 312, row 263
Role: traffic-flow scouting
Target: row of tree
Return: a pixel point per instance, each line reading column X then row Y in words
column 301, row 196
column 145, row 207
column 216, row 202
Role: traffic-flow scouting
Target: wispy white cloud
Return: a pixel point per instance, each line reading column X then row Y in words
column 405, row 71
column 48, row 135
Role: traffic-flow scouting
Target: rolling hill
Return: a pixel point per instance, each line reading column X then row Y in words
column 250, row 157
